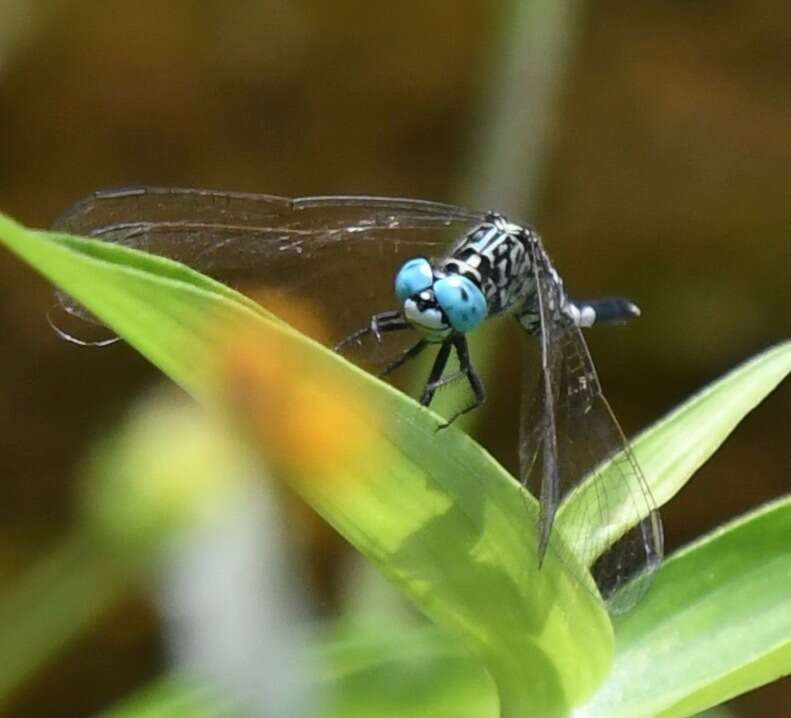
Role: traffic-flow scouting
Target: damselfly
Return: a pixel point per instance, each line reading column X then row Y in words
column 453, row 269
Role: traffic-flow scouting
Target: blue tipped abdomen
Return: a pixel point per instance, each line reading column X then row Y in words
column 462, row 301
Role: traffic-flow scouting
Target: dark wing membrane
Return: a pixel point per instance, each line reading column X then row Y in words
column 597, row 491
column 338, row 254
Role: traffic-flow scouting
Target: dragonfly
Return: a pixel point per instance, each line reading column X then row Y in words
column 449, row 270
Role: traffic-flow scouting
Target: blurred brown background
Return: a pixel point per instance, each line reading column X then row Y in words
column 666, row 178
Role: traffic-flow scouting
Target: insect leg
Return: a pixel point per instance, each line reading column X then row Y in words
column 466, row 368
column 435, row 377
column 380, row 323
column 436, row 380
column 463, row 351
column 410, row 353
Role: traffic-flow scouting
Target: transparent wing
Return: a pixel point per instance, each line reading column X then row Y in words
column 339, row 254
column 576, row 459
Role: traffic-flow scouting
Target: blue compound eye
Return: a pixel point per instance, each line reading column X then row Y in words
column 462, row 302
column 414, row 276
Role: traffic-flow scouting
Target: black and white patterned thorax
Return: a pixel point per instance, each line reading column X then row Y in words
column 500, row 258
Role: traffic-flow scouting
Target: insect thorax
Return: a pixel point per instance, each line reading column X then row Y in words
column 498, row 257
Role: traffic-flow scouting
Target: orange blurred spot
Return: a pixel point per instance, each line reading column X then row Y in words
column 304, row 414
column 294, row 311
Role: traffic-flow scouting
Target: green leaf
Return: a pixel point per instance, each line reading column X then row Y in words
column 453, row 530
column 385, row 669
column 433, row 510
column 62, row 594
column 675, row 447
column 716, row 623
column 171, row 697
column 365, row 669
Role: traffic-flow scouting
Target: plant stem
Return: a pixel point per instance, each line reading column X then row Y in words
column 60, row 596
column 519, row 98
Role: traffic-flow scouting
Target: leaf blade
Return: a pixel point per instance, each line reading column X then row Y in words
column 674, row 448
column 716, row 623
column 443, row 521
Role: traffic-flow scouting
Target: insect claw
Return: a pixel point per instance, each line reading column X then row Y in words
column 441, row 426
column 375, row 329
